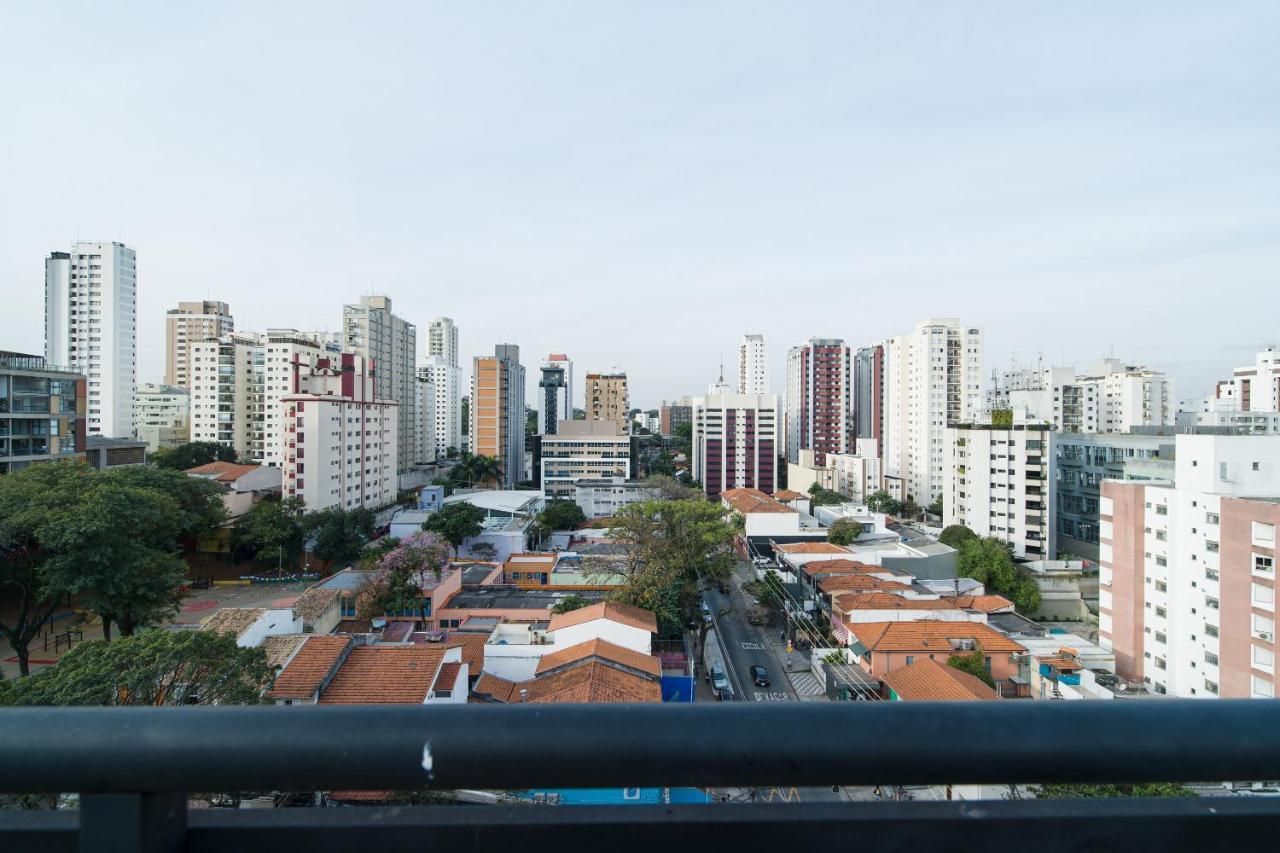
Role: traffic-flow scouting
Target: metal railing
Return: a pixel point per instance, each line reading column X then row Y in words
column 134, row 767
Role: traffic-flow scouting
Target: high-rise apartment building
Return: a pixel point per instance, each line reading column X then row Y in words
column 671, row 416
column 424, row 441
column 555, row 393
column 1254, row 388
column 162, row 414
column 189, row 323
column 818, row 385
column 1111, row 398
column 580, row 450
column 867, row 414
column 390, row 344
column 1187, row 570
column 446, row 383
column 753, row 366
column 339, row 442
column 42, row 412
column 735, row 442
column 238, row 382
column 497, row 410
column 442, row 340
column 932, row 380
column 999, row 482
column 607, row 398
column 91, row 327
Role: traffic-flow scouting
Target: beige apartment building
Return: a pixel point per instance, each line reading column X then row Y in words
column 497, row 410
column 606, row 398
column 191, row 323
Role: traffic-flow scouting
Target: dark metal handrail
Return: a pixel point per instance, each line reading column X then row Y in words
column 523, row 746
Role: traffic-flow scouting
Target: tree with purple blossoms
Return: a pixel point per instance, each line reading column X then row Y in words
column 400, row 576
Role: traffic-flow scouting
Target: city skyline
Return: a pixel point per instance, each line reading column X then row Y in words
column 1123, row 187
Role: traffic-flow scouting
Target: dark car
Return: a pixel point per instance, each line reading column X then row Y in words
column 760, row 676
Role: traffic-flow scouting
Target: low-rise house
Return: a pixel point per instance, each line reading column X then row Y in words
column 593, row 671
column 252, row 625
column 929, row 681
column 503, row 603
column 620, row 624
column 245, row 485
column 104, row 453
column 604, row 497
column 344, row 670
column 767, row 521
column 1066, row 588
column 350, row 583
column 319, row 609
column 881, row 647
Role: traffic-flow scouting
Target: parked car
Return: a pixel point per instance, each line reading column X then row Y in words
column 706, row 612
column 759, row 676
column 720, row 683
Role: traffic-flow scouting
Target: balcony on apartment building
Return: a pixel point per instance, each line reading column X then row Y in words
column 134, row 767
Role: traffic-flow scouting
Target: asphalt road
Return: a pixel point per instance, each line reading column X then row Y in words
column 746, row 644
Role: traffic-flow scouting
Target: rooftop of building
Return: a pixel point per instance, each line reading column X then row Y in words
column 347, row 579
column 310, row 665
column 604, row 650
column 234, row 620
column 927, row 680
column 223, row 472
column 811, row 548
column 501, row 597
column 926, row 635
column 313, row 603
column 835, row 584
column 281, row 647
column 624, row 614
column 588, row 681
column 384, row 675
column 750, row 501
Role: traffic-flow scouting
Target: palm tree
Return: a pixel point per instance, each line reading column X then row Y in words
column 486, row 468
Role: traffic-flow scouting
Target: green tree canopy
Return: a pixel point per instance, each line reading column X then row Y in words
column 670, row 545
column 668, row 488
column 821, row 496
column 151, row 668
column 561, row 514
column 956, row 535
column 271, row 531
column 199, row 501
column 455, row 523
column 973, row 663
column 844, row 531
column 569, row 603
column 882, row 501
column 192, row 455
column 337, row 534
column 990, row 562
column 1138, row 789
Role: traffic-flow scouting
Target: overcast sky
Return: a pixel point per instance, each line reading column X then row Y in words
column 641, row 183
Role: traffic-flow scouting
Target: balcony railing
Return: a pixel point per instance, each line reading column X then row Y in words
column 133, row 768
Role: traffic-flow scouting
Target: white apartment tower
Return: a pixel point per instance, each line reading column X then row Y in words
column 389, row 344
column 735, row 442
column 932, row 380
column 753, row 366
column 446, row 385
column 424, row 440
column 442, row 340
column 1113, row 397
column 189, row 323
column 162, row 415
column 555, row 393
column 91, row 327
column 340, row 442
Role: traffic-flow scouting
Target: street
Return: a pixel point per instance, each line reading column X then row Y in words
column 746, row 644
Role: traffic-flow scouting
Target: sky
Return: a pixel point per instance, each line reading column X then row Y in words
column 640, row 184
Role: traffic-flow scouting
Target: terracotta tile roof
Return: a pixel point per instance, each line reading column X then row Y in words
column 839, row 567
column 811, row 548
column 362, row 796
column 747, row 501
column 594, row 682
column 233, row 620
column 888, row 601
column 1064, row 664
column 858, row 583
column 280, row 648
column 929, row 681
column 788, row 495
column 928, row 636
column 601, row 649
column 448, row 675
column 622, row 613
column 499, row 689
column 384, row 675
column 304, row 674
column 472, row 646
column 223, row 472
column 983, row 603
column 314, row 602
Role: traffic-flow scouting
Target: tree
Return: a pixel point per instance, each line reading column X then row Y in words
column 955, row 535
column 908, row 509
column 882, row 501
column 844, row 531
column 270, row 531
column 376, row 550
column 337, row 534
column 973, row 663
column 484, row 551
column 670, row 545
column 1138, row 789
column 1002, row 418
column 561, row 514
column 936, row 507
column 990, row 562
column 455, row 523
column 402, row 574
column 569, row 603
column 192, row 455
column 151, row 668
column 820, row 496
column 199, row 501
column 663, row 465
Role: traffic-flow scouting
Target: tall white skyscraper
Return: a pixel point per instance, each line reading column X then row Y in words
column 442, row 340
column 91, row 326
column 446, row 384
column 753, row 366
column 555, row 392
column 389, row 344
column 190, row 323
column 932, row 380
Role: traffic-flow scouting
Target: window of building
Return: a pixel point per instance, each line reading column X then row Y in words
column 1263, row 595
column 1262, row 688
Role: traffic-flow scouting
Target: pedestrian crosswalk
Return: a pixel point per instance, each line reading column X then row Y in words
column 806, row 684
